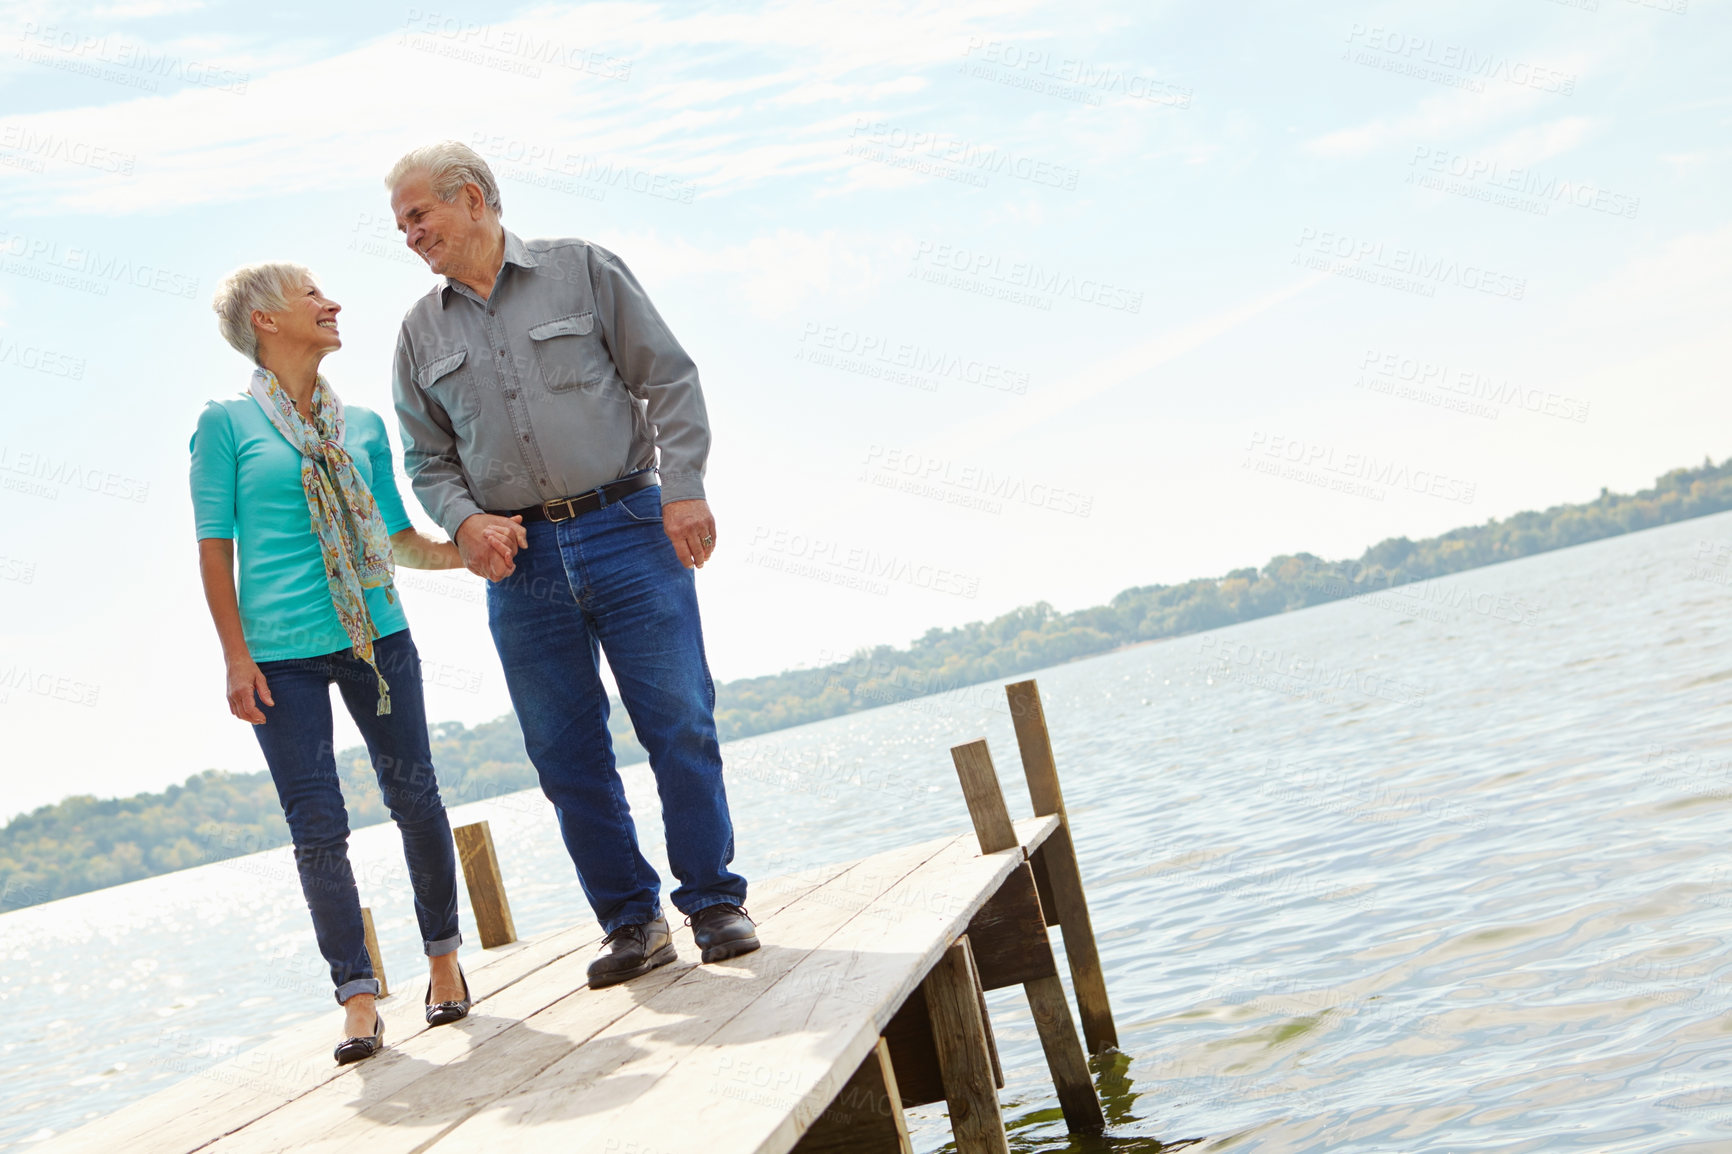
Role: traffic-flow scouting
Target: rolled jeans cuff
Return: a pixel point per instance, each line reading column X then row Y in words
column 359, row 986
column 444, row 945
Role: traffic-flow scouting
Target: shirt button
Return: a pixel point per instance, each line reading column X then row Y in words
column 501, row 352
column 511, row 394
column 526, row 438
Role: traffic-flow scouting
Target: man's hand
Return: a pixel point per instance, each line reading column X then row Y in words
column 691, row 528
column 489, row 544
column 245, row 679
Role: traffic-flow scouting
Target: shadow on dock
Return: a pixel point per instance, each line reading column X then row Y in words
column 867, row 998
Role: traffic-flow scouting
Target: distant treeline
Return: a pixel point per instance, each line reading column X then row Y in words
column 85, row 843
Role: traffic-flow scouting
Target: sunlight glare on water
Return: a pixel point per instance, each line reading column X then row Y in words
column 1438, row 869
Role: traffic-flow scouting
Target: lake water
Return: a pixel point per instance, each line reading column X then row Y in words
column 1440, row 869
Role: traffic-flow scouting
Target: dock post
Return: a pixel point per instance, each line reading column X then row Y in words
column 963, row 1059
column 1046, row 999
column 1056, row 862
column 373, row 951
column 486, row 886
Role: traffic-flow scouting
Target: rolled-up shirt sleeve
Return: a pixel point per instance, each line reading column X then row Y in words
column 429, row 445
column 656, row 370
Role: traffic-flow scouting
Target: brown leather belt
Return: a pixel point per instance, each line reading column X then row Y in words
column 565, row 508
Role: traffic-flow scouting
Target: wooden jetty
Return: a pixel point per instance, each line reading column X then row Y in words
column 866, row 998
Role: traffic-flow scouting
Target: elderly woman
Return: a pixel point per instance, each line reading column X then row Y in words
column 305, row 485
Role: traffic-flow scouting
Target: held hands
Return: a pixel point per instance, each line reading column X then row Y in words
column 245, row 679
column 489, row 544
column 692, row 529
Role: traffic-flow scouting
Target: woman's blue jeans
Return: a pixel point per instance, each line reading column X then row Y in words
column 297, row 741
column 609, row 580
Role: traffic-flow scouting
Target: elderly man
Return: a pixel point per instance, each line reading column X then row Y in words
column 535, row 386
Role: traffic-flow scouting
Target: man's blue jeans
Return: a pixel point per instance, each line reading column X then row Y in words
column 297, row 741
column 609, row 580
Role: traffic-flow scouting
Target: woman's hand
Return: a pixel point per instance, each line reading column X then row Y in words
column 245, row 680
column 216, row 566
column 414, row 549
column 507, row 539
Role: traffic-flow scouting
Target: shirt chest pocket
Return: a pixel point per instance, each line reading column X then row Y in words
column 449, row 380
column 569, row 353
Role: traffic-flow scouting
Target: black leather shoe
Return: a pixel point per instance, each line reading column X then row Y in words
column 630, row 951
column 439, row 1013
column 723, row 931
column 354, row 1049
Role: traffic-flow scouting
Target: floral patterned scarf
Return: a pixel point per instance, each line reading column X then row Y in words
column 352, row 537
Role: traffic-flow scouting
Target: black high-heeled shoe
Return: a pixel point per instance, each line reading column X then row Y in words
column 354, row 1049
column 441, row 1013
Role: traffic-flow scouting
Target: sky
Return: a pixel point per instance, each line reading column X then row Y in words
column 993, row 302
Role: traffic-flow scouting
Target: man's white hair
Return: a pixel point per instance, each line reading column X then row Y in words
column 449, row 166
column 266, row 287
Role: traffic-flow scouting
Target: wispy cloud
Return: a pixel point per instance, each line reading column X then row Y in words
column 774, row 274
column 1537, row 143
column 1456, row 112
column 526, row 77
column 1134, row 363
column 145, row 9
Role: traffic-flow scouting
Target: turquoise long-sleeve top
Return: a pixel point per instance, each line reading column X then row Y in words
column 246, row 487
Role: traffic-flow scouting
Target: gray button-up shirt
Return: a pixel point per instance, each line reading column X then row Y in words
column 564, row 379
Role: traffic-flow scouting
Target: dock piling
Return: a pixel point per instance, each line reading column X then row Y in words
column 1056, row 861
column 963, row 1054
column 869, row 1000
column 486, row 885
column 1013, row 947
column 980, row 789
column 373, row 951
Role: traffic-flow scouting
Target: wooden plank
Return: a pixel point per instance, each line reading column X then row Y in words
column 1028, row 717
column 866, row 1117
column 1032, row 832
column 985, row 799
column 374, row 954
column 1063, row 873
column 963, row 1056
column 405, row 1100
column 892, row 1097
column 1008, row 936
column 226, row 1096
column 485, row 883
column 222, row 1098
column 818, row 996
column 876, row 960
column 914, row 1053
column 985, row 1020
column 1064, row 1056
column 1043, row 885
column 412, row 1090
column 615, row 1037
column 1009, row 943
column 1080, row 950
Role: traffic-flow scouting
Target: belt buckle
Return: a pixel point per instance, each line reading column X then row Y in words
column 570, row 509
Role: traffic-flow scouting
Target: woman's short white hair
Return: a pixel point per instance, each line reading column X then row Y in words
column 449, row 166
column 266, row 287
